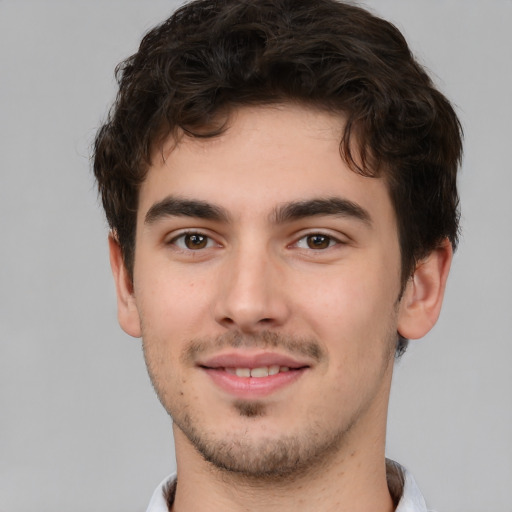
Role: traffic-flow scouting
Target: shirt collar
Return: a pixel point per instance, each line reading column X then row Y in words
column 412, row 500
column 158, row 502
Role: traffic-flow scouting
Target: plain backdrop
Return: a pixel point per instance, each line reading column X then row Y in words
column 80, row 427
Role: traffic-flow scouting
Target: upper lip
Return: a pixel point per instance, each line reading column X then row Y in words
column 251, row 360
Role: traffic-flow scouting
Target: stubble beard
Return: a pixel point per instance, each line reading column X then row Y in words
column 266, row 458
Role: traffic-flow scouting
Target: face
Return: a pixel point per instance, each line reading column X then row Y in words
column 266, row 285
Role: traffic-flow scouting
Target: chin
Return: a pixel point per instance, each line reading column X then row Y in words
column 258, row 455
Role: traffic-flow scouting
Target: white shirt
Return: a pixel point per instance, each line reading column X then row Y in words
column 411, row 500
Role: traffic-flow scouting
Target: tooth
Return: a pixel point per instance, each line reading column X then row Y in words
column 243, row 372
column 232, row 371
column 259, row 372
column 273, row 370
column 284, row 369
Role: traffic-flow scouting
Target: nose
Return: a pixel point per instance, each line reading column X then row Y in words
column 251, row 292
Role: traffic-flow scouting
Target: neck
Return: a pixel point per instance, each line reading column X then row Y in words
column 352, row 479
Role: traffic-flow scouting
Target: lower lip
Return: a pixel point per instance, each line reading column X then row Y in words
column 252, row 387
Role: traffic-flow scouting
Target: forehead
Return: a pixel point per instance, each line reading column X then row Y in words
column 266, row 156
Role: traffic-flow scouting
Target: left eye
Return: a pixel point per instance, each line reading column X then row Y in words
column 193, row 241
column 316, row 241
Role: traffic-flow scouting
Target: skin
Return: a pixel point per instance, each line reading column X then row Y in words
column 260, row 280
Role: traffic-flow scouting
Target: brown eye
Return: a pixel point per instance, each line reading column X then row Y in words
column 194, row 241
column 319, row 241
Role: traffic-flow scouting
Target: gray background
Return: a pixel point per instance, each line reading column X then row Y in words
column 80, row 428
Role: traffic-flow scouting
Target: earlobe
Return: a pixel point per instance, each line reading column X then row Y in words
column 422, row 299
column 127, row 312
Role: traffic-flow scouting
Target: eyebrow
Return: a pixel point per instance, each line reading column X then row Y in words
column 334, row 206
column 179, row 207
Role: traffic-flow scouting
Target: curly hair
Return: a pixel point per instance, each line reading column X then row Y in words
column 212, row 56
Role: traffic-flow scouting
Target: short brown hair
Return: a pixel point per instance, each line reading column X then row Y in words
column 212, row 56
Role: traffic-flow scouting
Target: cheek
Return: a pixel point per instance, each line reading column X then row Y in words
column 353, row 314
column 350, row 300
column 170, row 301
column 168, row 312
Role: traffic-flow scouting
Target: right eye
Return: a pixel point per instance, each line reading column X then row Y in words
column 193, row 241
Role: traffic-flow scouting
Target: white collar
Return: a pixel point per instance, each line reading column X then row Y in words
column 412, row 500
column 157, row 503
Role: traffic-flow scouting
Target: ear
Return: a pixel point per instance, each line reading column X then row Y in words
column 423, row 296
column 127, row 312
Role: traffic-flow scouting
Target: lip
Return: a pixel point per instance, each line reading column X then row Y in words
column 252, row 387
column 251, row 360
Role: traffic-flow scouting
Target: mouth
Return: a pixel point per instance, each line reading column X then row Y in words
column 257, row 373
column 253, row 376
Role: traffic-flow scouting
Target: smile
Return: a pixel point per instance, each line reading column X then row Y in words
column 263, row 371
column 255, row 375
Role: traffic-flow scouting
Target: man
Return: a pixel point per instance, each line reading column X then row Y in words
column 280, row 181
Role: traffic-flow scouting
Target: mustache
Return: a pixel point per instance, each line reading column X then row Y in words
column 294, row 345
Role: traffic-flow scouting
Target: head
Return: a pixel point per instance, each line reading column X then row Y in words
column 217, row 88
column 211, row 57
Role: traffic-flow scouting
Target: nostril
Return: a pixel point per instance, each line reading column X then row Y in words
column 249, row 309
